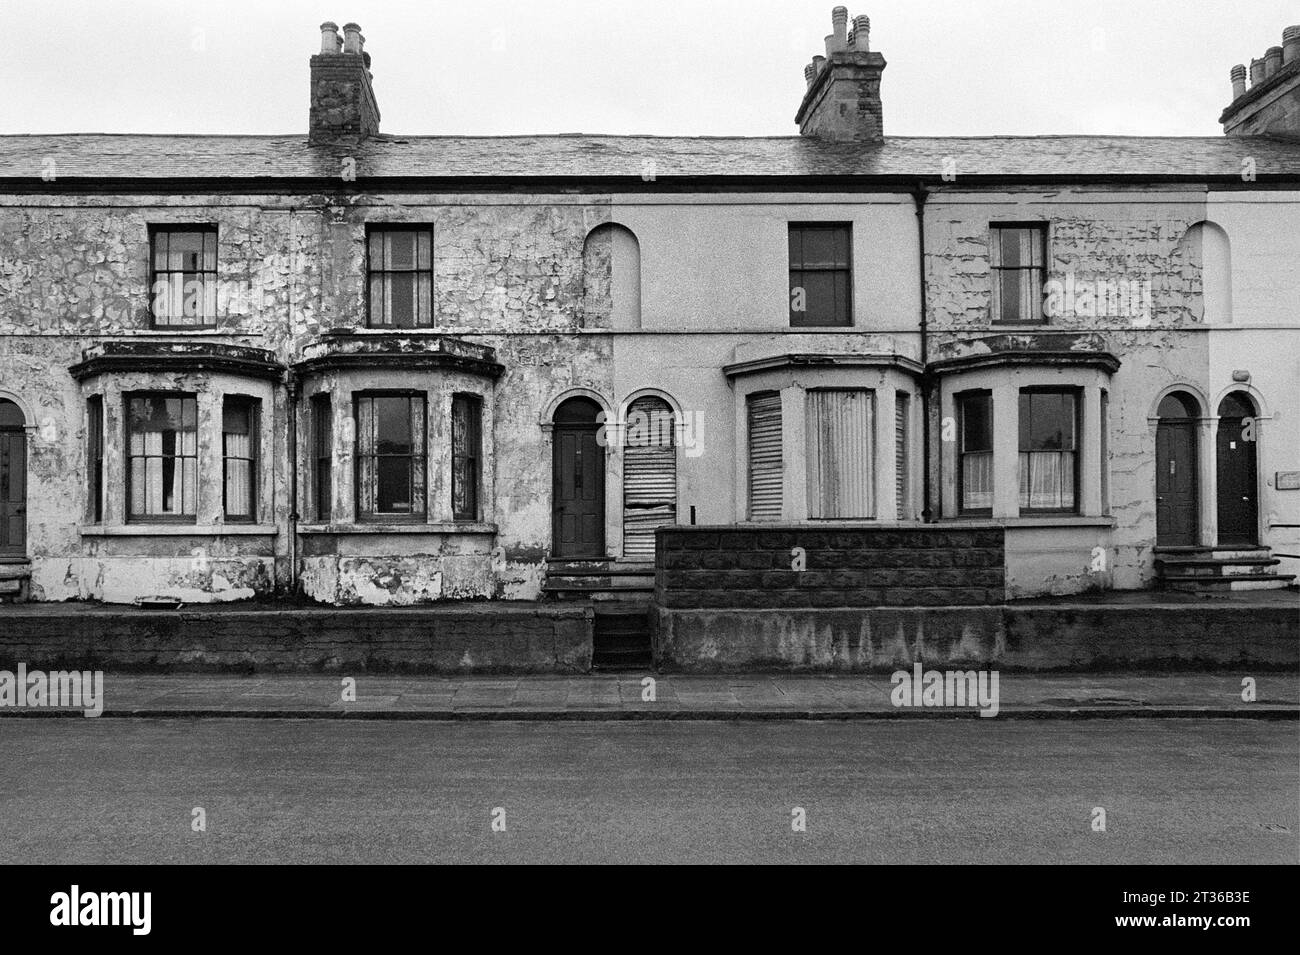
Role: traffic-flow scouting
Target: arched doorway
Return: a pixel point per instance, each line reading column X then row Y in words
column 649, row 475
column 1176, row 466
column 1237, row 472
column 13, row 480
column 578, row 481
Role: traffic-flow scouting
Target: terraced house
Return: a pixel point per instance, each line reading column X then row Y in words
column 830, row 369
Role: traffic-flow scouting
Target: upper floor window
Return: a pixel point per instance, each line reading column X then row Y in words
column 1019, row 253
column 399, row 272
column 975, row 453
column 466, row 414
column 183, row 276
column 821, row 276
column 162, row 456
column 1049, row 428
column 390, row 456
column 239, row 458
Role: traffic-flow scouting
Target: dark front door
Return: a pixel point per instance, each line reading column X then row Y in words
column 13, row 493
column 1237, row 474
column 578, row 487
column 1176, row 524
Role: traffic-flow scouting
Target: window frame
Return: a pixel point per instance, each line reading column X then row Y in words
column 160, row 228
column 181, row 518
column 375, row 228
column 253, row 408
column 1076, row 394
column 321, row 407
column 380, row 517
column 827, row 226
column 475, row 439
column 1042, row 231
column 959, row 401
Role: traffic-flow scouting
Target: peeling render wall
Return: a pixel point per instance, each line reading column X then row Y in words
column 517, row 273
column 1136, row 236
column 75, row 271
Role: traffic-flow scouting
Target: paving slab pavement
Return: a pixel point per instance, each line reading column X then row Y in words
column 675, row 697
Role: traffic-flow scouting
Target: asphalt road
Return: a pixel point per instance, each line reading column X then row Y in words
column 966, row 791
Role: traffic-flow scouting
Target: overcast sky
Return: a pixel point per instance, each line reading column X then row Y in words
column 682, row 67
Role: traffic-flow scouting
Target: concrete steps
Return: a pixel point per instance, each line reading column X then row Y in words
column 1218, row 569
column 622, row 638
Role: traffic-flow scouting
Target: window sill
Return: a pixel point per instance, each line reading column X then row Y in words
column 437, row 527
column 178, row 530
column 1038, row 520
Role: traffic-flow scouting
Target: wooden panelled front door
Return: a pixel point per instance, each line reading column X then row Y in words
column 13, row 481
column 1238, row 475
column 578, row 481
column 1176, row 485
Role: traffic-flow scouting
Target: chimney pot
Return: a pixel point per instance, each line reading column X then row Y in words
column 810, row 73
column 819, row 62
column 329, row 37
column 862, row 34
column 1272, row 61
column 351, row 38
column 1291, row 44
column 839, row 27
column 1238, row 75
column 1256, row 72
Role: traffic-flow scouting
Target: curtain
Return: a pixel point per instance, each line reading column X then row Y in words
column 977, row 480
column 1047, row 480
column 163, row 480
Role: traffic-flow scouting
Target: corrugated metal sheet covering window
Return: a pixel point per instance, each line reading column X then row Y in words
column 840, row 475
column 649, row 475
column 902, row 411
column 766, row 472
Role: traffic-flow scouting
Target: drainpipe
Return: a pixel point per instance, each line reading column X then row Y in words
column 292, row 386
column 919, row 197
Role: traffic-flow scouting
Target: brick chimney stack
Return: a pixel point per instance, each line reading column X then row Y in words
column 842, row 101
column 1271, row 105
column 343, row 107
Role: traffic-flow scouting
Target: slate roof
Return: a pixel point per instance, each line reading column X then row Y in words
column 95, row 156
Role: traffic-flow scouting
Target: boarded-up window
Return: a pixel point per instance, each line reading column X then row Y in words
column 766, row 471
column 649, row 475
column 902, row 449
column 839, row 454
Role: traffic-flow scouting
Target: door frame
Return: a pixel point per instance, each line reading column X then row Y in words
column 612, row 486
column 27, row 430
column 1259, row 416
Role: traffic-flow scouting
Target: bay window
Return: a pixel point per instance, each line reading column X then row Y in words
column 466, row 411
column 1049, row 459
column 390, row 456
column 239, row 458
column 975, row 452
column 162, row 456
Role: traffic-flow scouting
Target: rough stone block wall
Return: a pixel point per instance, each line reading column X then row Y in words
column 756, row 567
